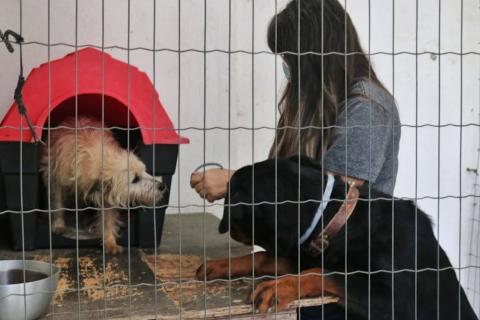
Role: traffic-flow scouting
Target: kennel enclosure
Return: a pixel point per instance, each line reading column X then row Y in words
column 87, row 82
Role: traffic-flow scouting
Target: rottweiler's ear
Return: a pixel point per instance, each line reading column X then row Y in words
column 305, row 161
column 235, row 213
column 223, row 226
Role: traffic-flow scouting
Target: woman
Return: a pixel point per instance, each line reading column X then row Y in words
column 349, row 121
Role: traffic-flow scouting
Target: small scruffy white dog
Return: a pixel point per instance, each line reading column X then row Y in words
column 123, row 175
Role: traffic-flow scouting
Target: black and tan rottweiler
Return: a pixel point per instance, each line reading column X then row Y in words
column 384, row 262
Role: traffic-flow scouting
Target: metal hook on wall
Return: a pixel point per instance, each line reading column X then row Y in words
column 5, row 38
column 18, row 96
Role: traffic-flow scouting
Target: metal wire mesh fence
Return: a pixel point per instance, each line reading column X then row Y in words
column 223, row 87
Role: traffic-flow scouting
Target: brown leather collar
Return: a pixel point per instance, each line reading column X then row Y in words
column 321, row 242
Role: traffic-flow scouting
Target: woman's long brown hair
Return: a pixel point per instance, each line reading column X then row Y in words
column 316, row 108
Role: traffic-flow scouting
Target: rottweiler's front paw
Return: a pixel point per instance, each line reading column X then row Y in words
column 282, row 292
column 213, row 269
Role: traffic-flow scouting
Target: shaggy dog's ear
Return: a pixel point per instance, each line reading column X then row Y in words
column 90, row 195
column 94, row 195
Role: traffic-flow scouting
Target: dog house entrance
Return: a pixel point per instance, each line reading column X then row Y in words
column 115, row 114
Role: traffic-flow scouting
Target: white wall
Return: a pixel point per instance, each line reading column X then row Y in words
column 437, row 164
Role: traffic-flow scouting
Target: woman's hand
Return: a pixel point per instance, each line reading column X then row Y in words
column 211, row 184
column 348, row 179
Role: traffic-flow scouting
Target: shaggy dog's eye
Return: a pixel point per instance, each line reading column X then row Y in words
column 136, row 179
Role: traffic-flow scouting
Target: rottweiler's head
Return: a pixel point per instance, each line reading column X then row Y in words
column 285, row 195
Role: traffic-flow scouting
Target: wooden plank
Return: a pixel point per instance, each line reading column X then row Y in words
column 245, row 311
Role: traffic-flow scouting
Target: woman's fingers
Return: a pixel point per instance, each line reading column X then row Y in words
column 195, row 178
column 200, row 189
column 210, row 184
column 211, row 198
column 205, row 193
column 203, row 189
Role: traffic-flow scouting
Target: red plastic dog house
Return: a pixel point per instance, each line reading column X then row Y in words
column 86, row 82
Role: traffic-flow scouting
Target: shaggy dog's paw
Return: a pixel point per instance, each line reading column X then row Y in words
column 281, row 292
column 58, row 226
column 213, row 269
column 113, row 248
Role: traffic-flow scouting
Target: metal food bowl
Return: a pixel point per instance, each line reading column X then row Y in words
column 40, row 283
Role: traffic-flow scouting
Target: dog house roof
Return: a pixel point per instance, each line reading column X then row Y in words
column 124, row 87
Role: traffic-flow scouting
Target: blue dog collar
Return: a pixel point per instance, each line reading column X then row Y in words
column 321, row 208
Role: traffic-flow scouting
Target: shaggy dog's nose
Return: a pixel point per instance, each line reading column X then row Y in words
column 161, row 186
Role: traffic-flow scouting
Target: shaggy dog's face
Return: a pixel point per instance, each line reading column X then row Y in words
column 126, row 182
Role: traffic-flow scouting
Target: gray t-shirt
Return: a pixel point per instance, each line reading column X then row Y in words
column 365, row 140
